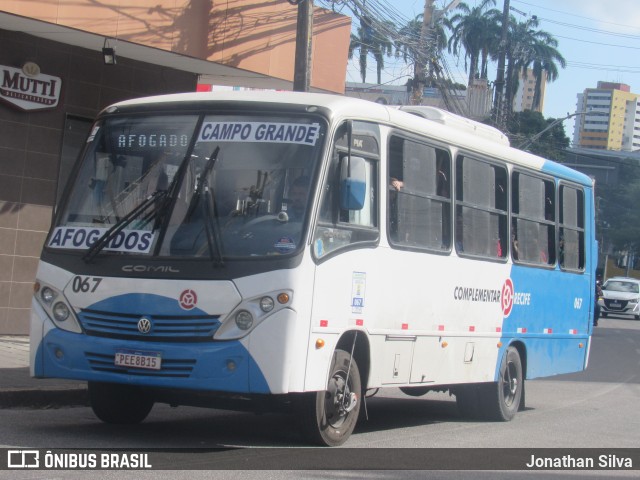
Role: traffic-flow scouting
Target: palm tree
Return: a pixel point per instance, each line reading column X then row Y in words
column 531, row 48
column 371, row 39
column 381, row 45
column 409, row 47
column 545, row 64
column 476, row 31
column 359, row 42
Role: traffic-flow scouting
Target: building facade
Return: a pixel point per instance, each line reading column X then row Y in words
column 54, row 81
column 474, row 102
column 523, row 99
column 610, row 118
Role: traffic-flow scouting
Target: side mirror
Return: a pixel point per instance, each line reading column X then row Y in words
column 353, row 183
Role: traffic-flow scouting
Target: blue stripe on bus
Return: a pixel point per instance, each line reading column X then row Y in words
column 119, row 316
column 551, row 338
column 563, row 172
column 197, row 366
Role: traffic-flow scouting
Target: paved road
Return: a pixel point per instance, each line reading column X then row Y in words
column 593, row 409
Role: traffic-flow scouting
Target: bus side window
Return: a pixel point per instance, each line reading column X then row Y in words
column 419, row 205
column 338, row 227
column 533, row 221
column 481, row 208
column 571, row 240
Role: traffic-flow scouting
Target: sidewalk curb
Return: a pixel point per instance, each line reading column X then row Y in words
column 43, row 398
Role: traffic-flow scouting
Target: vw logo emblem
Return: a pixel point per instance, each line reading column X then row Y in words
column 144, row 325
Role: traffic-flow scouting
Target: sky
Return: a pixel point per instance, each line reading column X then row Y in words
column 599, row 39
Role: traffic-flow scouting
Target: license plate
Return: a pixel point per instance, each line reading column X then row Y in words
column 136, row 359
column 615, row 304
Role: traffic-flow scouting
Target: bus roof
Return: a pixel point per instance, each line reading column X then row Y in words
column 429, row 121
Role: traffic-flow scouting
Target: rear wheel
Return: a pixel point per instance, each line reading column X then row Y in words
column 328, row 417
column 501, row 399
column 119, row 404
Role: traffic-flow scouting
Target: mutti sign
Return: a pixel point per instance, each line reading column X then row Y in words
column 28, row 89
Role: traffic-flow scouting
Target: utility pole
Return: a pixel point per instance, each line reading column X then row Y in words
column 304, row 33
column 498, row 104
column 423, row 56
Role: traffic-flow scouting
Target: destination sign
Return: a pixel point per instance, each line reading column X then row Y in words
column 272, row 132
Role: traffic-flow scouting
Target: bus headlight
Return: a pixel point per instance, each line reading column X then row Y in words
column 250, row 313
column 47, row 295
column 266, row 304
column 60, row 312
column 244, row 320
column 56, row 307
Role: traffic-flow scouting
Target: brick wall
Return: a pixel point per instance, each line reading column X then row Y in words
column 31, row 143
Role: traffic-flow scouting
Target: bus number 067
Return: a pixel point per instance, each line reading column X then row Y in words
column 85, row 284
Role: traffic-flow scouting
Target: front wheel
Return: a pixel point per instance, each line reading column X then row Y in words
column 119, row 404
column 328, row 417
column 501, row 399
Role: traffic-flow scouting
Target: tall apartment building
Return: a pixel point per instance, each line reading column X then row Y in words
column 523, row 99
column 611, row 118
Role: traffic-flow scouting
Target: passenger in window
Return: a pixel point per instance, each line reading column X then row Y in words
column 396, row 184
column 396, row 167
column 514, row 245
column 543, row 257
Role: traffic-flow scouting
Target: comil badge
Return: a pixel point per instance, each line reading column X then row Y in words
column 188, row 299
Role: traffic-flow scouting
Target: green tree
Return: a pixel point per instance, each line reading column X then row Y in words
column 551, row 144
column 545, row 65
column 618, row 214
column 476, row 31
column 529, row 47
column 372, row 38
column 408, row 45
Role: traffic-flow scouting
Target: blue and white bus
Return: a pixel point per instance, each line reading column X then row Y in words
column 290, row 250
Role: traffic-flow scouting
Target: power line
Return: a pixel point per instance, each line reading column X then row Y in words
column 592, row 30
column 574, row 15
column 597, row 43
column 603, row 67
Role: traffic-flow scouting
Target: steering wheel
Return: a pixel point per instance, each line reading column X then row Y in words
column 257, row 220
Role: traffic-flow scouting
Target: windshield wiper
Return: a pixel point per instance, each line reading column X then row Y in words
column 213, row 234
column 214, row 242
column 157, row 200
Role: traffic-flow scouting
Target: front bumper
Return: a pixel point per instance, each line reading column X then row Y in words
column 206, row 366
column 621, row 307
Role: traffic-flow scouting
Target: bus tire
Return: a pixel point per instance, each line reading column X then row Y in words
column 119, row 404
column 501, row 399
column 322, row 420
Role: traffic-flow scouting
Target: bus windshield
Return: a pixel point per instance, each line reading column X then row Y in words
column 192, row 186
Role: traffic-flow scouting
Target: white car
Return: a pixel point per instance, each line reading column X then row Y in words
column 620, row 296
